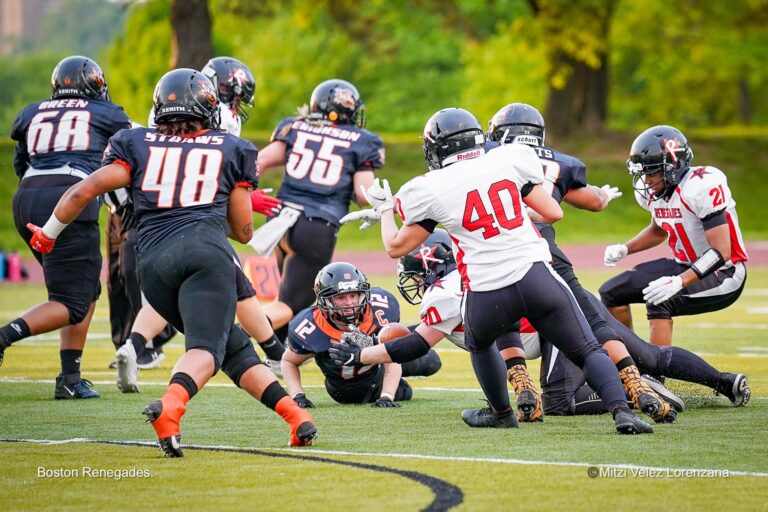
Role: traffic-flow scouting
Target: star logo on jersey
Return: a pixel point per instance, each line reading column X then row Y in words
column 438, row 284
column 699, row 173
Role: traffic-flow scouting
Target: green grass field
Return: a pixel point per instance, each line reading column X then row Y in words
column 411, row 458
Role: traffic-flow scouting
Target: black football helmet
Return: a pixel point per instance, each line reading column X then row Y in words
column 661, row 149
column 337, row 101
column 184, row 93
column 517, row 122
column 78, row 76
column 451, row 135
column 233, row 81
column 423, row 266
column 338, row 278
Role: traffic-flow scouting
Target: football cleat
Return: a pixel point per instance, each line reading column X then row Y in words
column 627, row 424
column 527, row 398
column 485, row 418
column 127, row 369
column 303, row 435
column 150, row 358
column 734, row 386
column 644, row 398
column 73, row 387
column 665, row 393
column 170, row 444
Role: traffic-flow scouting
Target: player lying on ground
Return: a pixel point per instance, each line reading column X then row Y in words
column 502, row 259
column 348, row 310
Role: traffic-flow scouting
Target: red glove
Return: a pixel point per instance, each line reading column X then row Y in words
column 264, row 204
column 40, row 242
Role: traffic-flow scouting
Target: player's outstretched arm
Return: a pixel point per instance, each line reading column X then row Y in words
column 292, row 375
column 107, row 178
column 591, row 198
column 271, row 156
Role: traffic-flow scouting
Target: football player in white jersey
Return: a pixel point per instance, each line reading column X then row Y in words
column 692, row 208
column 478, row 198
column 428, row 276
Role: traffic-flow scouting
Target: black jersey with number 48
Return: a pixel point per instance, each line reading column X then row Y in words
column 177, row 181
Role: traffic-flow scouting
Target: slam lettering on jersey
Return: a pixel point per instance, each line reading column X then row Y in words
column 71, row 131
column 309, row 332
column 177, row 181
column 320, row 162
column 702, row 192
column 562, row 172
column 479, row 203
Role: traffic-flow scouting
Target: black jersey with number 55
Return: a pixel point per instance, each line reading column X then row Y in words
column 320, row 162
column 177, row 181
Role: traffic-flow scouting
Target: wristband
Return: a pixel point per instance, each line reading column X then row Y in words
column 53, row 227
column 708, row 262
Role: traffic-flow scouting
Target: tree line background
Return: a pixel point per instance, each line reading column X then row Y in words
column 591, row 66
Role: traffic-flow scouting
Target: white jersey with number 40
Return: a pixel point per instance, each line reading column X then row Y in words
column 703, row 191
column 478, row 202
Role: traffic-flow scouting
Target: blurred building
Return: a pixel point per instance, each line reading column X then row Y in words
column 20, row 21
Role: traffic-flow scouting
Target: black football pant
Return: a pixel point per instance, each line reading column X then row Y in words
column 550, row 307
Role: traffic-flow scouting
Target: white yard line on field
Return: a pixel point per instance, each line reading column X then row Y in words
column 669, row 471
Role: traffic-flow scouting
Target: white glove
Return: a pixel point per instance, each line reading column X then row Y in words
column 611, row 192
column 379, row 196
column 613, row 253
column 662, row 289
column 367, row 217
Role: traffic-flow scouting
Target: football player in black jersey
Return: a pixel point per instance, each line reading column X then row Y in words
column 565, row 179
column 190, row 187
column 59, row 142
column 348, row 310
column 330, row 158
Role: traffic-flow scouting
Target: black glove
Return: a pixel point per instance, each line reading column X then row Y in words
column 385, row 403
column 345, row 354
column 303, row 401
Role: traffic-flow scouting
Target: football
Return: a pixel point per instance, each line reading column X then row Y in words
column 392, row 331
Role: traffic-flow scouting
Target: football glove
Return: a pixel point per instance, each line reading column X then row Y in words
column 345, row 354
column 385, row 402
column 379, row 195
column 302, row 401
column 611, row 192
column 662, row 289
column 264, row 204
column 40, row 242
column 357, row 337
column 613, row 253
column 368, row 218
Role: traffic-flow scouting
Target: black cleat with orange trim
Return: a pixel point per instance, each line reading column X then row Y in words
column 304, row 434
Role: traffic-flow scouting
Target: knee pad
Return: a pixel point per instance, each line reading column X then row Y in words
column 235, row 365
column 404, row 391
column 424, row 366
